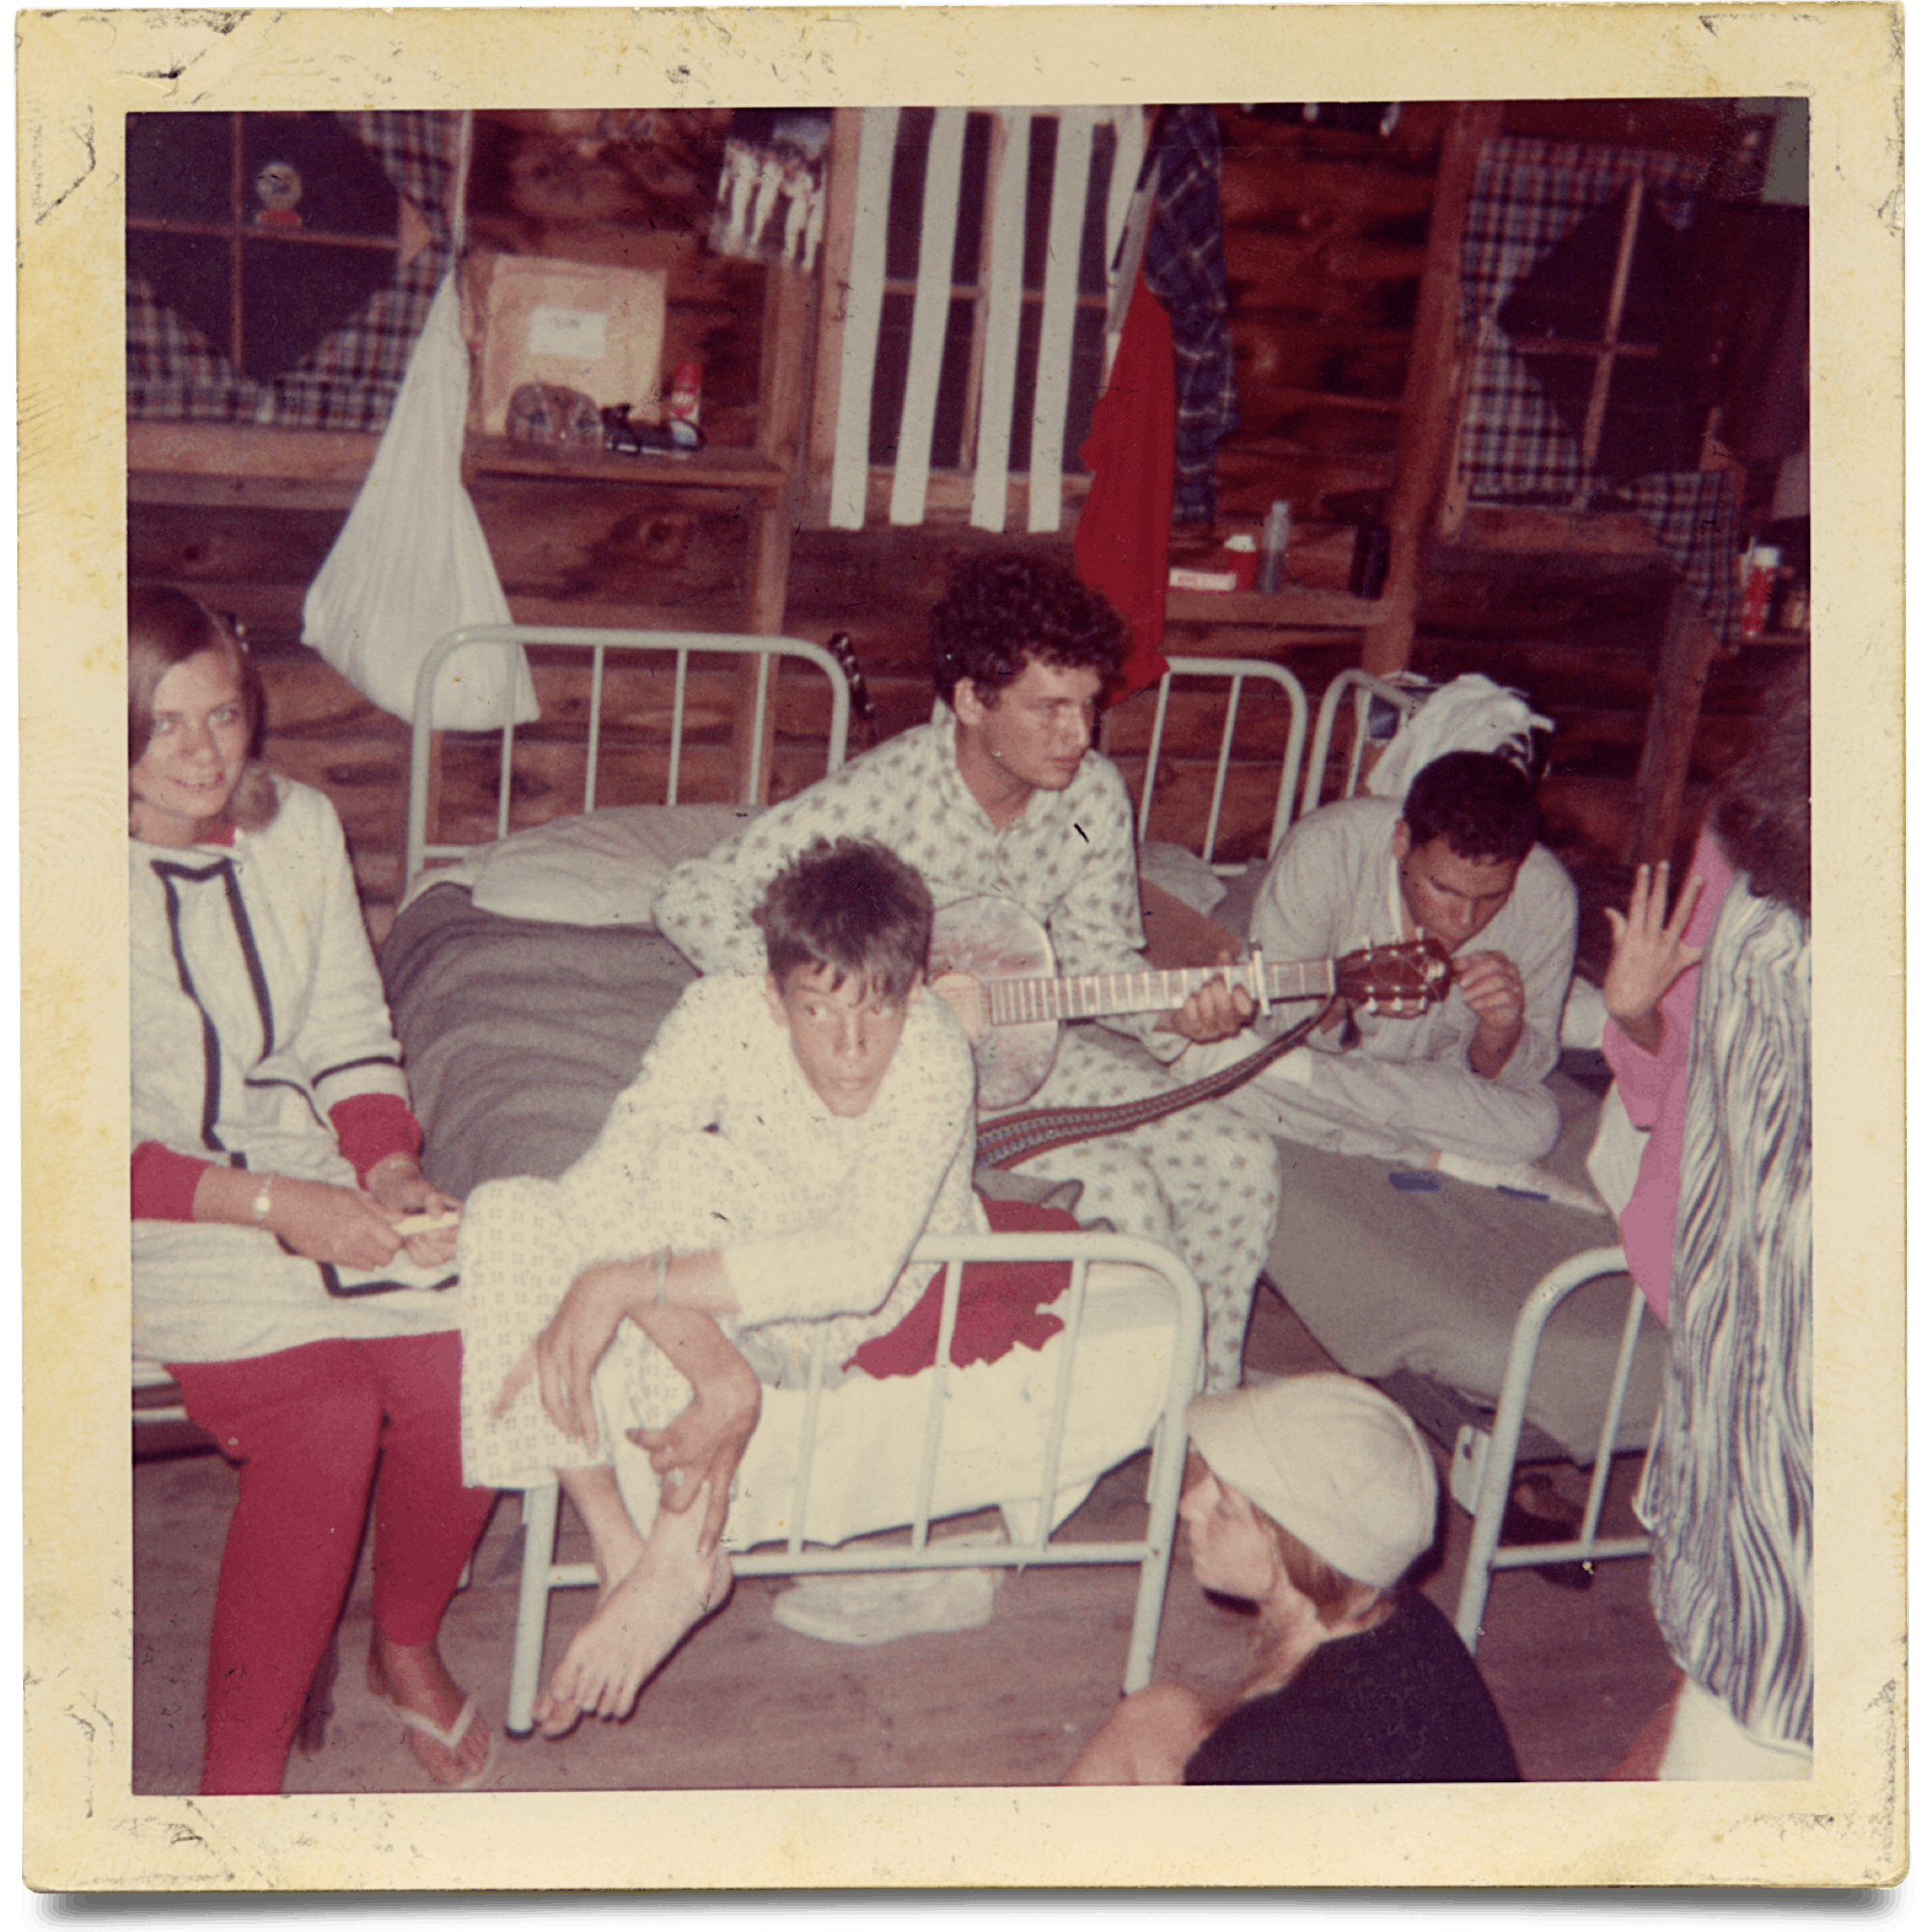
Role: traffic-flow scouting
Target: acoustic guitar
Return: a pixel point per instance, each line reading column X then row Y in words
column 1007, row 952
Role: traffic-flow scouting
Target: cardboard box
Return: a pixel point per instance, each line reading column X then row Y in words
column 596, row 330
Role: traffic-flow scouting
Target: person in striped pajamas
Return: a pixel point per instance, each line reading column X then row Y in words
column 1727, row 1491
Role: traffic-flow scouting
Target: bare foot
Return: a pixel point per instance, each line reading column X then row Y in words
column 637, row 1625
column 412, row 1678
column 616, row 1546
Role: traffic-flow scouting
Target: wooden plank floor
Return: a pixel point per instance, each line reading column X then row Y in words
column 747, row 1703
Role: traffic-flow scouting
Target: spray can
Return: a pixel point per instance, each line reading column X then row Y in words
column 1759, row 577
column 1274, row 542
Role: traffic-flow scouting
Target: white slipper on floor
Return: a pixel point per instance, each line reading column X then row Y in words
column 451, row 1739
column 870, row 1606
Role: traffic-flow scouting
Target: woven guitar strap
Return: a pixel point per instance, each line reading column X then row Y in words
column 1012, row 1138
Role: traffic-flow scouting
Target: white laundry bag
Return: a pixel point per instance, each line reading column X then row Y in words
column 410, row 563
column 1471, row 712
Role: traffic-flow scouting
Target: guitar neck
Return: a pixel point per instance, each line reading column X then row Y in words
column 1089, row 996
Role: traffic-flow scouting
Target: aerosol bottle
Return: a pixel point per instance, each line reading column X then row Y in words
column 1274, row 543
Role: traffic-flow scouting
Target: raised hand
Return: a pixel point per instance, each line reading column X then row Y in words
column 1648, row 952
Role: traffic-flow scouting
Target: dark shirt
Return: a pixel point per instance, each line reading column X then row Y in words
column 1398, row 1704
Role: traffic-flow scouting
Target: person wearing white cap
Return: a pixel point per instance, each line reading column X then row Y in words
column 1311, row 1498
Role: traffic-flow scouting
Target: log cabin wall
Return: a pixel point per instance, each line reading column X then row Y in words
column 1326, row 230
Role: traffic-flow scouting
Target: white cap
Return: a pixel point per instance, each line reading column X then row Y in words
column 1333, row 1460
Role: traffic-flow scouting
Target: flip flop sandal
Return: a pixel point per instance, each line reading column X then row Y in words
column 450, row 1740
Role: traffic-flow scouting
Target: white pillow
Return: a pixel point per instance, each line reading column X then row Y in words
column 1185, row 873
column 603, row 869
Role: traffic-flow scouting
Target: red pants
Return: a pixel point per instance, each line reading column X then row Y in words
column 305, row 1426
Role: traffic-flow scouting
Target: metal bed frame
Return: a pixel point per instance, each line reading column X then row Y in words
column 1408, row 702
column 1237, row 671
column 1150, row 1552
column 681, row 645
column 1484, row 1466
column 541, row 1573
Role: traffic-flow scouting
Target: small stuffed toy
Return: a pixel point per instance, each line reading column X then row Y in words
column 279, row 188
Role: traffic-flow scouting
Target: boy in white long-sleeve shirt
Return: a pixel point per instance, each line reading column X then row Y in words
column 789, row 1139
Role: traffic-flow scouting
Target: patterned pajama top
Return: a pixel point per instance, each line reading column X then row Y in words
column 1068, row 859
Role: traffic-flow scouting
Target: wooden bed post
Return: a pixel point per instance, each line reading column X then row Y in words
column 1676, row 700
column 1432, row 395
column 783, row 393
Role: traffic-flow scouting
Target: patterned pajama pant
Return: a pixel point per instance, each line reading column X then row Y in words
column 523, row 1246
column 1200, row 1181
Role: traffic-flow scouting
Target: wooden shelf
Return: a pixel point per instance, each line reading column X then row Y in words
column 1531, row 530
column 162, row 454
column 1293, row 605
column 743, row 470
column 213, row 465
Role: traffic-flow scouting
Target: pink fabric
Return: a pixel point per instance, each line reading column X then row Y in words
column 305, row 1427
column 1121, row 547
column 999, row 1303
column 1652, row 1087
column 372, row 1127
column 162, row 1182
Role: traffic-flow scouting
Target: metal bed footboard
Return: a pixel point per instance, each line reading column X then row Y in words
column 1484, row 1464
column 680, row 645
column 1150, row 1553
column 1408, row 702
column 1237, row 671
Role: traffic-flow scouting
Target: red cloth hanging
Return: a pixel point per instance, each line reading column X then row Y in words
column 1121, row 547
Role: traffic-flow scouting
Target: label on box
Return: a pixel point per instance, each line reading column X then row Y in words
column 598, row 330
column 567, row 332
column 1201, row 579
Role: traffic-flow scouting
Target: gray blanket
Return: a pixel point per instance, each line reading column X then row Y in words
column 1431, row 1284
column 519, row 1035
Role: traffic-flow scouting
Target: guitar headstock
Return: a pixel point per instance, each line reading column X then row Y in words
column 1397, row 982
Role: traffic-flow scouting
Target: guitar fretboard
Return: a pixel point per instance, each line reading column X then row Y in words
column 1087, row 996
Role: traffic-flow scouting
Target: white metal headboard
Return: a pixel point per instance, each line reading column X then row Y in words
column 679, row 644
column 1407, row 700
column 1237, row 671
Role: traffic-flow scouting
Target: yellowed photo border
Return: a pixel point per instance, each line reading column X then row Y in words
column 78, row 73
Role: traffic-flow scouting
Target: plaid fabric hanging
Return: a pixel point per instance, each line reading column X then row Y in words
column 349, row 382
column 1185, row 267
column 1528, row 195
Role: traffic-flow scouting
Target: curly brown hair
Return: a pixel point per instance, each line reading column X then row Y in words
column 1763, row 815
column 1004, row 608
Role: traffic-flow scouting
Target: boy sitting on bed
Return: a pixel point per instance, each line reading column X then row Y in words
column 789, row 1139
column 1458, row 1089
